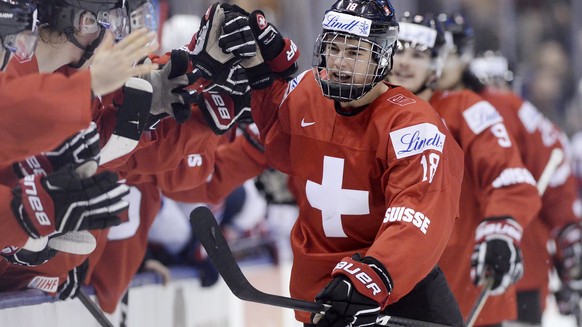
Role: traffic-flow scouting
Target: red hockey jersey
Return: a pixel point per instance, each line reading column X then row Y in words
column 495, row 184
column 537, row 137
column 384, row 182
column 34, row 119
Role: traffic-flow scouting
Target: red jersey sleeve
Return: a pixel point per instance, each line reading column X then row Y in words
column 39, row 111
column 235, row 163
column 537, row 137
column 11, row 233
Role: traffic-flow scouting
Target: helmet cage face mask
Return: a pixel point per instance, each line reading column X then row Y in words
column 347, row 67
column 18, row 29
column 369, row 43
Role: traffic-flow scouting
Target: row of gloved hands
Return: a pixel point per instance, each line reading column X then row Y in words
column 232, row 53
column 59, row 196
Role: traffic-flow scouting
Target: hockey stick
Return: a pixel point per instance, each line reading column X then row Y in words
column 94, row 309
column 206, row 228
column 480, row 303
column 554, row 162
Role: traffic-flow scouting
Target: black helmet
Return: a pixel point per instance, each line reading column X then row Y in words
column 424, row 33
column 366, row 21
column 463, row 41
column 18, row 29
column 61, row 15
column 64, row 16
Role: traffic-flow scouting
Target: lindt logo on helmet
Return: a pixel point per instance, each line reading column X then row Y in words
column 346, row 23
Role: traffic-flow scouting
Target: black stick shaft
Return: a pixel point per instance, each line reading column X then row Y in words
column 94, row 309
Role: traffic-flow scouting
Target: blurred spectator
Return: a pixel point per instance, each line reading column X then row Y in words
column 549, row 85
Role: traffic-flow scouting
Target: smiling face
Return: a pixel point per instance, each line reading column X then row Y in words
column 412, row 68
column 349, row 60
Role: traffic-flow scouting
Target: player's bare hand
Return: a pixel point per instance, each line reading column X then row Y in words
column 113, row 64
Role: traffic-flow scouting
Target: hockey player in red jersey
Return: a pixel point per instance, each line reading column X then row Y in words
column 102, row 80
column 538, row 138
column 499, row 195
column 42, row 97
column 172, row 157
column 377, row 173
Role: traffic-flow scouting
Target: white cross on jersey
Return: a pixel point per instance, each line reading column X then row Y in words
column 333, row 200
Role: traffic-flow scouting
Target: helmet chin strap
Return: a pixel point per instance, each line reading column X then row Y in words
column 88, row 50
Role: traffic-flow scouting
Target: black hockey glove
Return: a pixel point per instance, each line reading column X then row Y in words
column 568, row 256
column 70, row 288
column 236, row 82
column 169, row 96
column 131, row 118
column 497, row 251
column 357, row 294
column 213, row 61
column 81, row 147
column 276, row 55
column 62, row 201
column 29, row 257
column 225, row 104
column 236, row 37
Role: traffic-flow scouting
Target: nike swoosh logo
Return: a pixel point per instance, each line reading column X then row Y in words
column 304, row 124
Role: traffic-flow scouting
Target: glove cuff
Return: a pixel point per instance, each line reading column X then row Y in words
column 35, row 165
column 368, row 275
column 20, row 213
column 285, row 63
column 499, row 226
column 260, row 76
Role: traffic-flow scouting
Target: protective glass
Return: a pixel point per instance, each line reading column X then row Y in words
column 144, row 16
column 116, row 21
column 23, row 44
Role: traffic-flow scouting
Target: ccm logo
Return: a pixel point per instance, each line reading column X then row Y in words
column 220, row 106
column 360, row 276
column 34, row 201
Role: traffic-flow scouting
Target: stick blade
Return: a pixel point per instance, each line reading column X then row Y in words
column 206, row 229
